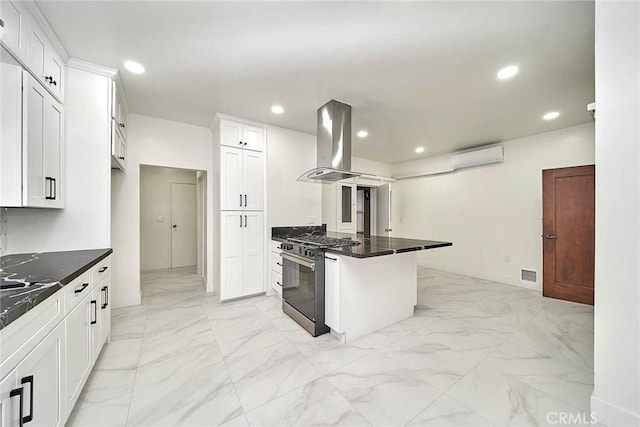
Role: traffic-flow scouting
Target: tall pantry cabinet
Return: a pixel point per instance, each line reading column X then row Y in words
column 239, row 147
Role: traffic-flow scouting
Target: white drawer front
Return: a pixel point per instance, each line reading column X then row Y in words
column 76, row 290
column 275, row 246
column 276, row 281
column 276, row 262
column 101, row 270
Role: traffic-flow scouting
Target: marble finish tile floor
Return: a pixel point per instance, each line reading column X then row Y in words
column 476, row 353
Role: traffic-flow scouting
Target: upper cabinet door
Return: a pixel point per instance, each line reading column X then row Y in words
column 13, row 30
column 54, row 153
column 37, row 45
column 253, row 180
column 54, row 73
column 10, row 130
column 231, row 188
column 231, row 134
column 252, row 137
column 34, row 105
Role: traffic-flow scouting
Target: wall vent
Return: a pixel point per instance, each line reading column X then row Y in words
column 527, row 275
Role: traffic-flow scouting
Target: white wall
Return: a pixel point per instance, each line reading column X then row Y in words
column 154, row 142
column 616, row 396
column 84, row 221
column 488, row 212
column 155, row 201
column 289, row 154
column 371, row 167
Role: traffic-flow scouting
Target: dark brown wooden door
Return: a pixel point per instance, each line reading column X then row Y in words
column 568, row 208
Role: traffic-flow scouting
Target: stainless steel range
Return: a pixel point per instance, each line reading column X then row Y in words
column 303, row 279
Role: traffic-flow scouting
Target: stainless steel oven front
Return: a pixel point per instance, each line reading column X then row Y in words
column 303, row 291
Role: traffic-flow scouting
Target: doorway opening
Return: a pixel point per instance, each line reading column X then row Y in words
column 173, row 220
column 363, row 211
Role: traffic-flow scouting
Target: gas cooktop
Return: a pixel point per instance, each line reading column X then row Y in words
column 318, row 241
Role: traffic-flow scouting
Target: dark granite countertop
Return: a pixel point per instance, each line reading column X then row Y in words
column 28, row 279
column 367, row 247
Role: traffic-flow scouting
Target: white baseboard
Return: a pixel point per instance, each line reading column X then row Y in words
column 612, row 416
column 493, row 277
column 127, row 300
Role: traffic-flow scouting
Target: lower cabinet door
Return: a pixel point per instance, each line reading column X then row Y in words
column 11, row 395
column 95, row 323
column 253, row 256
column 40, row 374
column 231, row 265
column 78, row 350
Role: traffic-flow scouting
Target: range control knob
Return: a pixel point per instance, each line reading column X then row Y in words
column 287, row 246
column 309, row 253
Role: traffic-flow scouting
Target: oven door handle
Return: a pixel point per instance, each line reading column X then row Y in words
column 299, row 260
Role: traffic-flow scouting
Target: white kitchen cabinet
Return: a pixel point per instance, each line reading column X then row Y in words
column 40, row 374
column 95, row 323
column 13, row 31
column 105, row 309
column 241, row 179
column 42, row 147
column 118, row 127
column 78, row 350
column 276, row 267
column 241, row 135
column 10, row 129
column 242, row 254
column 44, row 62
column 36, row 384
column 118, row 148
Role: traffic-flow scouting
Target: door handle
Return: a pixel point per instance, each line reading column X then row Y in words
column 174, row 226
column 550, row 236
column 94, row 303
column 29, row 380
column 20, row 393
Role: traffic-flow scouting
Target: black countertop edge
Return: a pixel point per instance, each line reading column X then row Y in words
column 282, row 233
column 39, row 276
column 374, row 252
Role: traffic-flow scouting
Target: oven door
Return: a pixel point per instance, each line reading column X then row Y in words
column 299, row 283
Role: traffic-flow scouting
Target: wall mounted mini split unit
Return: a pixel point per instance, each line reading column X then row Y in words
column 485, row 156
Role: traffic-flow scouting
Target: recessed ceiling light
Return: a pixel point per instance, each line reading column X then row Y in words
column 419, row 149
column 507, row 72
column 134, row 67
column 277, row 109
column 362, row 134
column 551, row 115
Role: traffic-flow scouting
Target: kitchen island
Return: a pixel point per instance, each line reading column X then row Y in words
column 365, row 285
column 371, row 285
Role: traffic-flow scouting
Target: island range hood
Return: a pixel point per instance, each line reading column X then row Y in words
column 333, row 145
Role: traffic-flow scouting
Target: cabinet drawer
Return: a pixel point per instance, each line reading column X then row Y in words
column 101, row 270
column 276, row 262
column 276, row 281
column 275, row 246
column 75, row 291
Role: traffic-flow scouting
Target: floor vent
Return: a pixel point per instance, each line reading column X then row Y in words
column 528, row 275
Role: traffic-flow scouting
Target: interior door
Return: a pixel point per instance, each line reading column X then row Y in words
column 183, row 224
column 568, row 204
column 383, row 210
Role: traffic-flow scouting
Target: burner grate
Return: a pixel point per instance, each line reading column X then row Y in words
column 323, row 241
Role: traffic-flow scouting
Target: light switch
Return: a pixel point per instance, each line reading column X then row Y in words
column 160, row 218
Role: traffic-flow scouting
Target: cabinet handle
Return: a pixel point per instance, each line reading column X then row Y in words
column 245, row 221
column 240, row 143
column 245, row 143
column 332, row 259
column 84, row 286
column 106, row 288
column 106, row 297
column 121, row 157
column 18, row 392
column 278, row 263
column 240, row 221
column 245, row 200
column 50, row 80
column 49, row 180
column 278, row 283
column 103, row 269
column 1, row 23
column 29, row 380
column 241, row 200
column 94, row 303
column 121, row 125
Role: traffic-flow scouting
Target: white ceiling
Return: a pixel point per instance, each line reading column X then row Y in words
column 416, row 73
